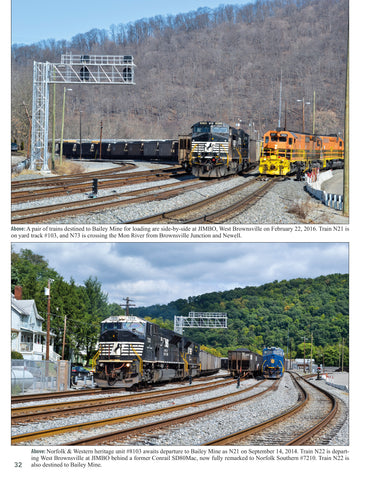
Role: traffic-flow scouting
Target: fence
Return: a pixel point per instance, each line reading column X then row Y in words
column 31, row 376
column 313, row 186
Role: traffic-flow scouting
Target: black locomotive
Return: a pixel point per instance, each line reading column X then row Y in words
column 133, row 352
column 217, row 150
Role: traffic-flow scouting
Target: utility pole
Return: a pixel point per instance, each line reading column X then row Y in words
column 48, row 322
column 64, row 335
column 80, row 137
column 53, row 130
column 346, row 141
column 29, row 131
column 127, row 304
column 100, row 143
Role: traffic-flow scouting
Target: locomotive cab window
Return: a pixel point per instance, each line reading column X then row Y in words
column 266, row 139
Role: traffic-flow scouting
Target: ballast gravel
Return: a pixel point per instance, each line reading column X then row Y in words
column 201, row 430
column 286, row 203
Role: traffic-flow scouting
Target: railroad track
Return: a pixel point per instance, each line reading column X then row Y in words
column 50, row 212
column 192, row 213
column 34, row 397
column 72, row 178
column 83, row 428
column 296, row 426
column 82, row 184
column 48, row 410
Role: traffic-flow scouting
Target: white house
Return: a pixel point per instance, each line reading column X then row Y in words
column 28, row 337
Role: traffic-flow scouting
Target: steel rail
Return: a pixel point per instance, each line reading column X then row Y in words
column 305, row 436
column 26, row 437
column 100, row 203
column 46, row 181
column 236, row 436
column 36, row 411
column 194, row 206
column 85, row 186
column 300, row 439
column 235, row 208
column 172, row 421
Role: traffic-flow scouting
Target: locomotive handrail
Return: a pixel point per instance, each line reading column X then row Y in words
column 139, row 358
column 186, row 369
column 95, row 358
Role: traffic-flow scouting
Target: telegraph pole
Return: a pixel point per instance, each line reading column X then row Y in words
column 127, row 304
column 346, row 141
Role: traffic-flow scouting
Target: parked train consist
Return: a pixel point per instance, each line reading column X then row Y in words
column 110, row 149
column 133, row 351
column 215, row 150
column 273, row 362
column 243, row 362
column 212, row 149
column 286, row 152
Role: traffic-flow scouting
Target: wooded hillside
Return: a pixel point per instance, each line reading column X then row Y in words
column 222, row 64
column 275, row 314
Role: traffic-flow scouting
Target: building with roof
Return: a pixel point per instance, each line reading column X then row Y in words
column 28, row 337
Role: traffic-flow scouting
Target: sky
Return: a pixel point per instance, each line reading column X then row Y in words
column 158, row 273
column 35, row 20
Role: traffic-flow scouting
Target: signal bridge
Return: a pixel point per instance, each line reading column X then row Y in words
column 200, row 320
column 83, row 69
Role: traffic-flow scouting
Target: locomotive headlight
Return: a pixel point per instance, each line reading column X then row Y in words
column 127, row 365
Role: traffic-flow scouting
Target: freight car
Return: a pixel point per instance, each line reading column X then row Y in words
column 244, row 363
column 216, row 150
column 112, row 149
column 134, row 352
column 273, row 362
column 287, row 152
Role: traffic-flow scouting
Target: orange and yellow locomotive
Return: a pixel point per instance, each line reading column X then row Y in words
column 284, row 152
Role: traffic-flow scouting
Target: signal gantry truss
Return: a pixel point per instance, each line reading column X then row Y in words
column 200, row 320
column 82, row 69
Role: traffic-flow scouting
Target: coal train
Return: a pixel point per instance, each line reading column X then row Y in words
column 286, row 152
column 213, row 149
column 245, row 363
column 124, row 149
column 134, row 352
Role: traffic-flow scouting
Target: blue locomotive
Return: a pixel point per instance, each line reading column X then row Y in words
column 273, row 362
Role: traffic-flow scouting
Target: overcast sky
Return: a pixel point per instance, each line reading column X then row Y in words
column 35, row 20
column 158, row 273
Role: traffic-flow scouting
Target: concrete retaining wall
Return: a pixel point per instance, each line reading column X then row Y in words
column 313, row 187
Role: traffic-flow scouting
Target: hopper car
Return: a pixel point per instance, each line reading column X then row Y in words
column 111, row 149
column 244, row 363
